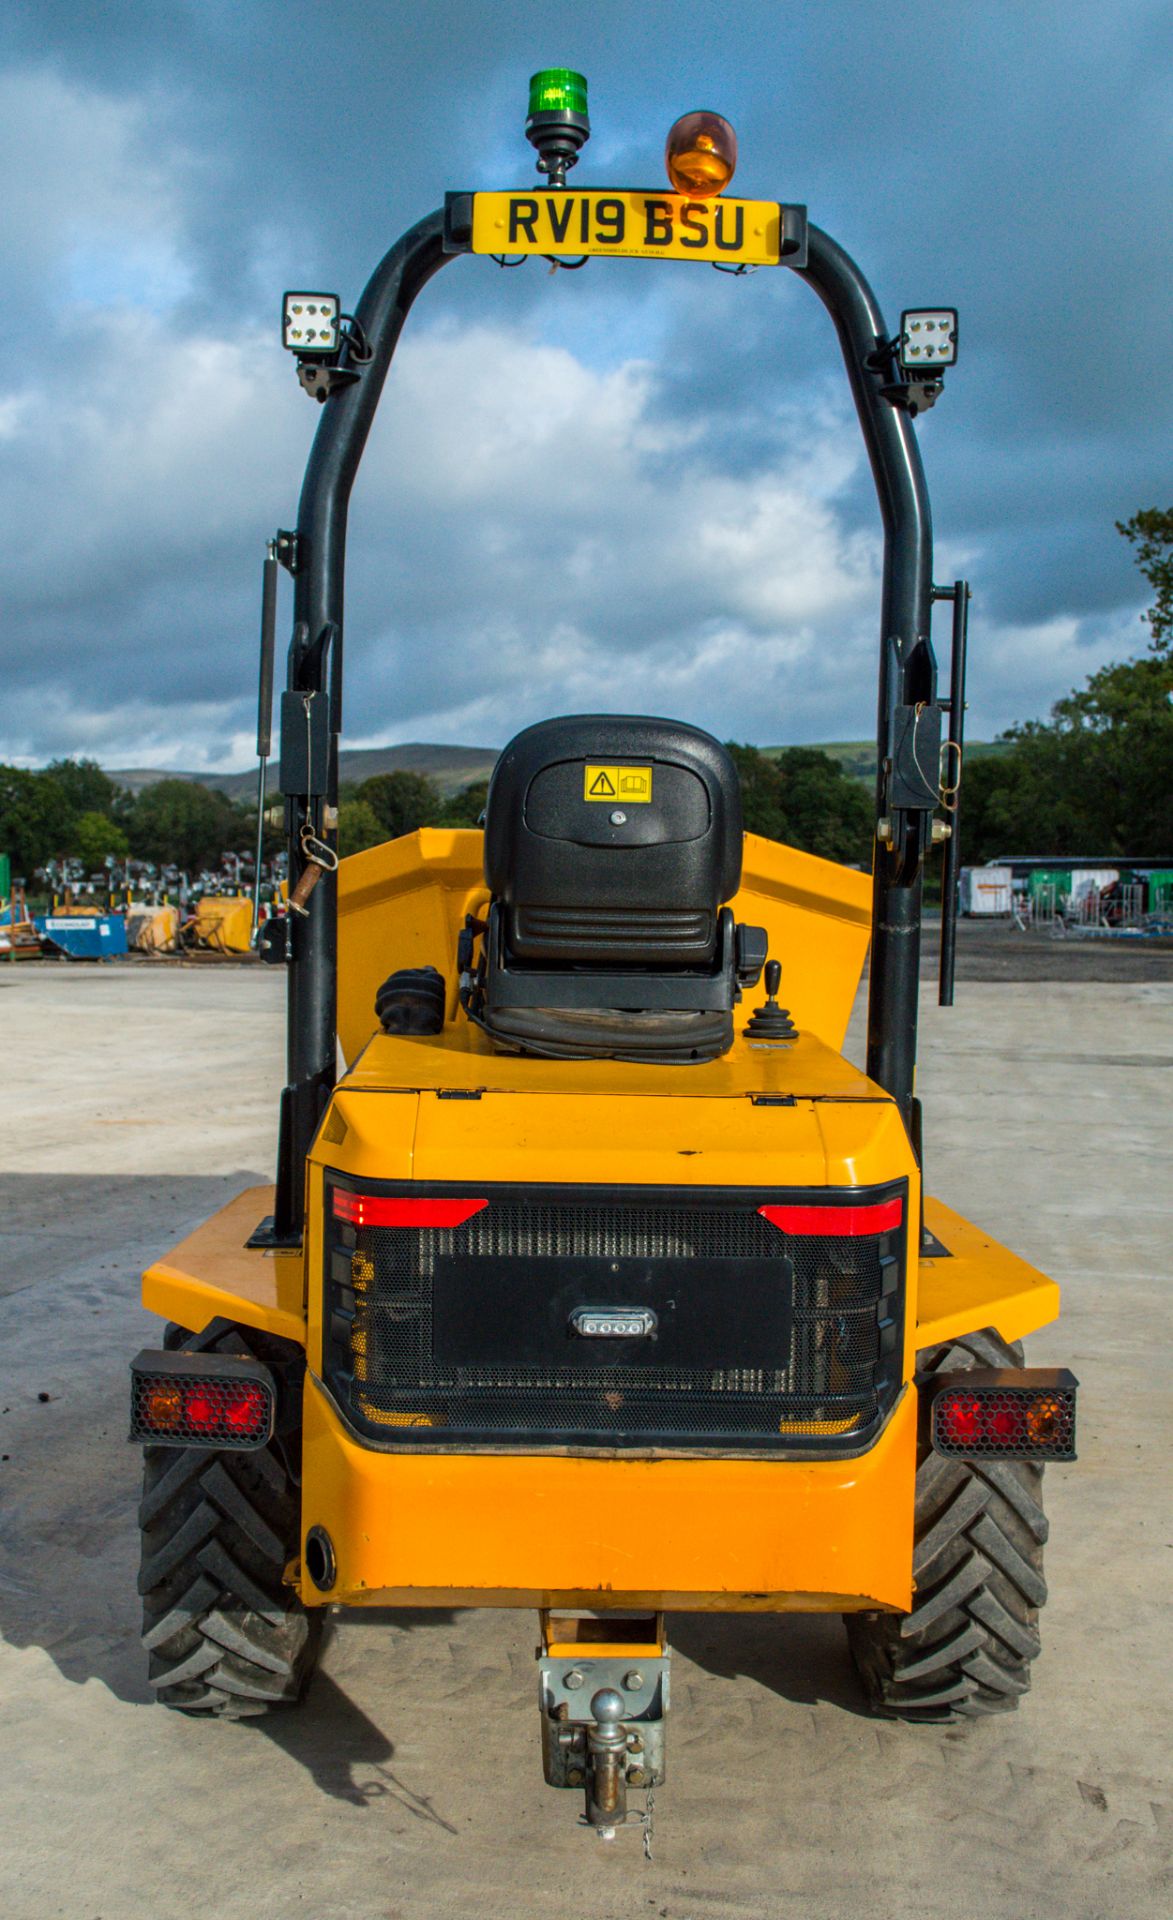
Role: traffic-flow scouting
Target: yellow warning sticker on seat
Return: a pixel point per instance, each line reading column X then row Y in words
column 617, row 783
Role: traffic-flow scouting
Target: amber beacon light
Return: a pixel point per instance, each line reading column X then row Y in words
column 701, row 155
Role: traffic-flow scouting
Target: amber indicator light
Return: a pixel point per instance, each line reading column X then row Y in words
column 1044, row 1418
column 701, row 155
column 162, row 1405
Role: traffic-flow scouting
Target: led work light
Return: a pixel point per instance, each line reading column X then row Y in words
column 928, row 338
column 310, row 323
column 700, row 155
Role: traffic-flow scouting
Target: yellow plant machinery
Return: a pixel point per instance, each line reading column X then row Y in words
column 595, row 1280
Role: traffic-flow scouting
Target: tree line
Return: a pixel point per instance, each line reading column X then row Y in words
column 71, row 810
column 1097, row 776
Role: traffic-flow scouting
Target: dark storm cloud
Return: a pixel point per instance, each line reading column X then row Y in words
column 171, row 166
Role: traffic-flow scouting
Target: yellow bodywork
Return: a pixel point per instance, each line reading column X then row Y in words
column 213, row 1275
column 404, row 903
column 517, row 1530
column 549, row 1527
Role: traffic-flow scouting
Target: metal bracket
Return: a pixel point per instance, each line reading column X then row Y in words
column 618, row 1666
column 566, row 1687
column 457, row 223
column 305, row 744
column 320, row 382
column 272, row 941
column 288, row 549
column 914, row 396
column 795, row 251
column 265, row 1235
column 914, row 782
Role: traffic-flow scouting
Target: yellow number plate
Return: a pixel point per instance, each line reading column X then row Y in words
column 645, row 226
column 629, row 784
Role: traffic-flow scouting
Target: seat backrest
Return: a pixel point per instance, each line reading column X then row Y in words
column 613, row 839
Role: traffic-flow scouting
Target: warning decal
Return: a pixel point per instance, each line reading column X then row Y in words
column 631, row 784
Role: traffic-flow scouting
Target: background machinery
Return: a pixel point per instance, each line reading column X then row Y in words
column 594, row 1279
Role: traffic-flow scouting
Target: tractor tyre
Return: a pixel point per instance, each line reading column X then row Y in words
column 967, row 1646
column 225, row 1635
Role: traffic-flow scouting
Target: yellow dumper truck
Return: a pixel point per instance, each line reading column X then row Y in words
column 595, row 1279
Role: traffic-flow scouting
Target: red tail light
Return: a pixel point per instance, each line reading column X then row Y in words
column 201, row 1409
column 959, row 1418
column 846, row 1221
column 388, row 1210
column 246, row 1408
column 1006, row 1420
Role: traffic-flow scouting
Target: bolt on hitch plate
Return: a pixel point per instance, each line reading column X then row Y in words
column 575, row 1665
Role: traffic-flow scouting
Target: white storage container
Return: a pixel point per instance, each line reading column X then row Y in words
column 986, row 890
column 1091, row 880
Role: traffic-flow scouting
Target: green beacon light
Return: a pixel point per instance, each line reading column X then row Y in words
column 557, row 123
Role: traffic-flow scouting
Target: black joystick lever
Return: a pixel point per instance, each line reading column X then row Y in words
column 771, row 1022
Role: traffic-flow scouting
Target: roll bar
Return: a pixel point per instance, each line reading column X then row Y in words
column 316, row 556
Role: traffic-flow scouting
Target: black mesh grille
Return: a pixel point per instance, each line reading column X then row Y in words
column 814, row 1354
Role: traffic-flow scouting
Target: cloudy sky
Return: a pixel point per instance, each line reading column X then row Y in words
column 635, row 487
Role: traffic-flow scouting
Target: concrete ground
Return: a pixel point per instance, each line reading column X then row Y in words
column 409, row 1783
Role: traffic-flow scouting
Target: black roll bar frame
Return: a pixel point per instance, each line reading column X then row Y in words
column 907, row 674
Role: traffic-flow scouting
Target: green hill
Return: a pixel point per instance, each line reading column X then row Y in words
column 858, row 757
column 455, row 767
column 450, row 767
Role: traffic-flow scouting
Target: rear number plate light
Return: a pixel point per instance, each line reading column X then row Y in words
column 613, row 1323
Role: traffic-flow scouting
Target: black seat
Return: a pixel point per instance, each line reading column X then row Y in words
column 612, row 844
column 613, row 840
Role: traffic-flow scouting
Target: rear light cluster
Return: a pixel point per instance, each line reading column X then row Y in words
column 837, row 1222
column 388, row 1210
column 1009, row 1414
column 200, row 1400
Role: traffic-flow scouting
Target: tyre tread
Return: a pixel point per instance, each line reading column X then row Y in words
column 225, row 1636
column 966, row 1647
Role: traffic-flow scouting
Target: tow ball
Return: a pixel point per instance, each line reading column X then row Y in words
column 603, row 1698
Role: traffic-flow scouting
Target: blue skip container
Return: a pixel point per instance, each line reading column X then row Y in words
column 98, row 936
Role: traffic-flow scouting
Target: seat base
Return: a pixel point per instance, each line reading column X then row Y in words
column 589, row 988
column 608, row 1033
